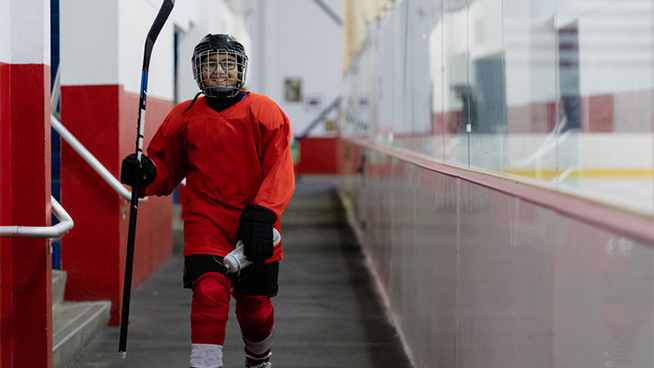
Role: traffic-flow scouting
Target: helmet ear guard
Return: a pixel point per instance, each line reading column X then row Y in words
column 219, row 56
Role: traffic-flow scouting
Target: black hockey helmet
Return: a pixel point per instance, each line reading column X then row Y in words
column 220, row 45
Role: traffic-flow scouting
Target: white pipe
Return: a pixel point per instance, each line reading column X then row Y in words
column 91, row 160
column 43, row 232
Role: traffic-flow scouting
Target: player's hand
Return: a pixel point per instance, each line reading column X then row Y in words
column 137, row 174
column 255, row 229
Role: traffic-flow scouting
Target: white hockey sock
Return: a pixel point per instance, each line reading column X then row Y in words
column 262, row 346
column 206, row 356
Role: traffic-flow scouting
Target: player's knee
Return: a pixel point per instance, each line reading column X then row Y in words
column 254, row 311
column 210, row 309
column 210, row 298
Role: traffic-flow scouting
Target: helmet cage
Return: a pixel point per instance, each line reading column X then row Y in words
column 220, row 72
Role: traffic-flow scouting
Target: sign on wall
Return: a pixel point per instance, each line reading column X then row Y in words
column 293, row 89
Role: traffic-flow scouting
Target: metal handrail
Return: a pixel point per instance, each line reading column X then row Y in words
column 91, row 160
column 42, row 232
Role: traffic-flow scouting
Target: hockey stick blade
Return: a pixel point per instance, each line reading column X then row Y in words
column 157, row 25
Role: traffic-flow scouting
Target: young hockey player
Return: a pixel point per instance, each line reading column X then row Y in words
column 233, row 148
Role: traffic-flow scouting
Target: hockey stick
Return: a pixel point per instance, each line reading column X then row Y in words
column 158, row 24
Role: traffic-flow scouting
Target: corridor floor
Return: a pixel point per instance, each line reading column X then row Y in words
column 326, row 313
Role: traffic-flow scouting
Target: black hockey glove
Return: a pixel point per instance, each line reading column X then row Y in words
column 137, row 174
column 255, row 228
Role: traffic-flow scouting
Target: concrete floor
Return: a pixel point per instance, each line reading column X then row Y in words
column 326, row 313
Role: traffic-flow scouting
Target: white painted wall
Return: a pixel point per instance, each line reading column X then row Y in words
column 102, row 42
column 295, row 38
column 24, row 32
column 134, row 21
column 88, row 42
column 615, row 47
column 5, row 31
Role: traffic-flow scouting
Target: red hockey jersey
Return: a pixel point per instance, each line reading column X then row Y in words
column 230, row 158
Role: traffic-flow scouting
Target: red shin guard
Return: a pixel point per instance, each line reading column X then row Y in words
column 255, row 316
column 210, row 309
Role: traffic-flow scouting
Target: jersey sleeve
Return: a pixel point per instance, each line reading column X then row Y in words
column 168, row 151
column 276, row 161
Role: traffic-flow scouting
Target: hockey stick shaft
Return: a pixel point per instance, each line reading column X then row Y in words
column 160, row 20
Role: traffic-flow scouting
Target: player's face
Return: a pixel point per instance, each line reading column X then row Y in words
column 219, row 70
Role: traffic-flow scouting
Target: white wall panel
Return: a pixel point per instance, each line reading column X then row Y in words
column 135, row 18
column 5, row 31
column 89, row 42
column 25, row 32
column 103, row 42
column 296, row 39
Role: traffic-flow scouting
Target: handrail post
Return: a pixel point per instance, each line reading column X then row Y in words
column 42, row 232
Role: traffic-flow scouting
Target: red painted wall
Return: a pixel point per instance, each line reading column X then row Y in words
column 154, row 231
column 25, row 264
column 103, row 118
column 317, row 156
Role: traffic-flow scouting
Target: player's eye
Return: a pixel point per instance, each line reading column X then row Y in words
column 228, row 64
column 210, row 66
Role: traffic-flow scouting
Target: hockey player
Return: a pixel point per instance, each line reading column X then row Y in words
column 233, row 148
